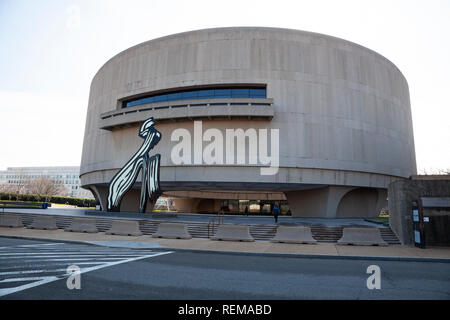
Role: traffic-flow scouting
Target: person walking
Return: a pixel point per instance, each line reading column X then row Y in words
column 276, row 211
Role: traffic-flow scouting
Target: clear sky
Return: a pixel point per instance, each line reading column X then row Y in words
column 50, row 51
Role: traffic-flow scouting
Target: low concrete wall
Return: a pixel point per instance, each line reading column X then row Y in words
column 124, row 228
column 82, row 225
column 44, row 223
column 402, row 193
column 362, row 237
column 172, row 231
column 294, row 234
column 11, row 221
column 233, row 232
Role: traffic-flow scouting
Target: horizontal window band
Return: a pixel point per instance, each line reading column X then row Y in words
column 195, row 94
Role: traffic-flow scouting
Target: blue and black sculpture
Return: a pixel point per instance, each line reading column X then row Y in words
column 125, row 178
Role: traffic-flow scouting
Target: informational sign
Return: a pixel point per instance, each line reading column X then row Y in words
column 416, row 236
column 418, row 224
column 415, row 215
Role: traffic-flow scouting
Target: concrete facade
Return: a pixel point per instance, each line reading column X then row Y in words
column 342, row 111
column 401, row 195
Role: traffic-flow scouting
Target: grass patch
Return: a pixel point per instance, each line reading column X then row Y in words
column 18, row 206
column 379, row 219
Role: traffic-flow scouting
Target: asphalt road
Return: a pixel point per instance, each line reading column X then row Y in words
column 38, row 270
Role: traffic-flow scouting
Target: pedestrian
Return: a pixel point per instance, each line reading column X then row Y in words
column 276, row 211
column 246, row 210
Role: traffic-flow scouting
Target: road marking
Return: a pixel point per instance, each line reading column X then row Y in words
column 62, row 253
column 76, row 259
column 53, row 264
column 30, row 271
column 38, row 281
column 39, row 244
column 4, row 292
column 68, row 256
column 22, row 279
column 26, row 246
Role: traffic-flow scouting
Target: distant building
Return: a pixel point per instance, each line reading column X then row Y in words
column 68, row 177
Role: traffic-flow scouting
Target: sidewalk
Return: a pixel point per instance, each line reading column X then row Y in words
column 261, row 247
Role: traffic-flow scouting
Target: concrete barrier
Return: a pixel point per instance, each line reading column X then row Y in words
column 172, row 231
column 125, row 228
column 362, row 237
column 44, row 223
column 82, row 225
column 11, row 221
column 294, row 234
column 233, row 232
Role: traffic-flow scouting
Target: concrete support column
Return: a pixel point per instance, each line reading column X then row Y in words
column 100, row 194
column 130, row 201
column 317, row 203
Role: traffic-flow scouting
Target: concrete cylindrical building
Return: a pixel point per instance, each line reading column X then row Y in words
column 341, row 111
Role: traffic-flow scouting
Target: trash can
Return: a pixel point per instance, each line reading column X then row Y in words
column 44, row 205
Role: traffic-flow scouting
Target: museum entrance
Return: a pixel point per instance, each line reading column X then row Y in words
column 253, row 207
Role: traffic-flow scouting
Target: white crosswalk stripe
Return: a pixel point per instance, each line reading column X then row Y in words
column 27, row 266
column 38, row 245
column 29, row 271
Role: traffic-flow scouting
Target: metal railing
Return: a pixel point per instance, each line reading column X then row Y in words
column 211, row 223
column 220, row 216
column 228, row 102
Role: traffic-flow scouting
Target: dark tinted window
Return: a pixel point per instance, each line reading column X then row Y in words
column 222, row 93
column 205, row 94
column 174, row 96
column 189, row 95
column 240, row 93
column 258, row 93
column 160, row 98
column 199, row 94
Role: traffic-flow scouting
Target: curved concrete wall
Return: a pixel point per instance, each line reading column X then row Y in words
column 343, row 110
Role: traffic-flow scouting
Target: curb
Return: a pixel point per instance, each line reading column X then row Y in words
column 315, row 256
column 279, row 255
column 45, row 239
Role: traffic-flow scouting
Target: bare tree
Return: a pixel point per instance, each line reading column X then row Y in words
column 434, row 171
column 43, row 186
column 9, row 188
column 4, row 187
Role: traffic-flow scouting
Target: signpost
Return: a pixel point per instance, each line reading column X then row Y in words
column 418, row 224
